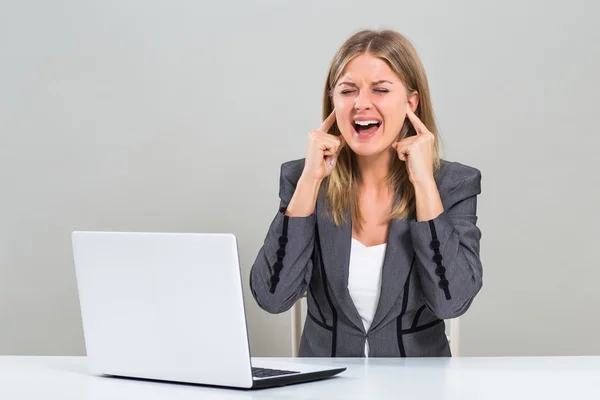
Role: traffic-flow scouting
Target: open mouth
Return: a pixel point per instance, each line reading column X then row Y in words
column 366, row 129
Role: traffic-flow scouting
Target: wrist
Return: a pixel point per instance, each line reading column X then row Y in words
column 428, row 201
column 309, row 180
column 424, row 184
column 305, row 196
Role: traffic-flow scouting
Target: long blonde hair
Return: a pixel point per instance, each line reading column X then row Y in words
column 400, row 55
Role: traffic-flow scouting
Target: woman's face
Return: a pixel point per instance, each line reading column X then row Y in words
column 370, row 105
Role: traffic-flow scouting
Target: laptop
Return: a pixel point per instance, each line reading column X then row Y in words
column 169, row 307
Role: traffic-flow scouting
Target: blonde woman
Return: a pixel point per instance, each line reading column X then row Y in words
column 377, row 228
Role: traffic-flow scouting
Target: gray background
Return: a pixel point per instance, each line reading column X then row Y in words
column 139, row 115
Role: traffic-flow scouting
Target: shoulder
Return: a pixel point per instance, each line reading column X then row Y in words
column 288, row 179
column 291, row 170
column 457, row 180
column 452, row 171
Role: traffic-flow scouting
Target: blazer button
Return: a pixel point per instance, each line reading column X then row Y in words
column 437, row 258
column 443, row 284
column 435, row 244
column 439, row 271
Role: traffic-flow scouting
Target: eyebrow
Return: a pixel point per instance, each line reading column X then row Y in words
column 372, row 83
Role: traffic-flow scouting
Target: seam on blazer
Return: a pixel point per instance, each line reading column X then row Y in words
column 316, row 321
column 327, row 296
column 421, row 328
column 311, row 294
column 403, row 309
column 417, row 315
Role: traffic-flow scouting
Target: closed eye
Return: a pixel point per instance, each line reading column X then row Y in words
column 375, row 90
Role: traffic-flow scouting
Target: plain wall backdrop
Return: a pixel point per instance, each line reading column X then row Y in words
column 136, row 115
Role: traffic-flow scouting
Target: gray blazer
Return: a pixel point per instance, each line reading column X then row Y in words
column 431, row 272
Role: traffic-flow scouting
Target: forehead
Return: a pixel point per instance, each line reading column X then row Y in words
column 369, row 68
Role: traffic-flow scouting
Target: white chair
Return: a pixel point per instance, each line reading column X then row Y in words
column 452, row 328
column 297, row 324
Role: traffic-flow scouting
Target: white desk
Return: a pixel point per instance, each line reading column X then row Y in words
column 565, row 378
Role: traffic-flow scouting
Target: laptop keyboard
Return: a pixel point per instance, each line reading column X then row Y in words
column 267, row 372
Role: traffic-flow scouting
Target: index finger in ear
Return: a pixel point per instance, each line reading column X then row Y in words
column 416, row 122
column 328, row 123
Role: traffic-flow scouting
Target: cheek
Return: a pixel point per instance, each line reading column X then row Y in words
column 341, row 103
column 343, row 111
column 390, row 104
column 392, row 110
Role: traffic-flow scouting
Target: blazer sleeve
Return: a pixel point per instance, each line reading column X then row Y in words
column 283, row 267
column 447, row 247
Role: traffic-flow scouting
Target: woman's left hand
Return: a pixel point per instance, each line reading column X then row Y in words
column 417, row 151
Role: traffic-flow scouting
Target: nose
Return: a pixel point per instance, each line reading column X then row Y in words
column 362, row 102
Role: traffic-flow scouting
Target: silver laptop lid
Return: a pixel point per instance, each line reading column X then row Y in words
column 165, row 306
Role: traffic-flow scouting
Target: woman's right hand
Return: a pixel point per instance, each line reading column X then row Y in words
column 323, row 150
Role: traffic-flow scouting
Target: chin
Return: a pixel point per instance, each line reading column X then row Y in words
column 375, row 145
column 366, row 150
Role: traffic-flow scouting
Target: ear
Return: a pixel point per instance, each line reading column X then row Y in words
column 413, row 101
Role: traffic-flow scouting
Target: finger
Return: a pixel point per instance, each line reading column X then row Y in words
column 331, row 146
column 401, row 154
column 404, row 142
column 328, row 123
column 416, row 122
column 338, row 140
column 342, row 142
column 403, row 150
column 332, row 156
column 330, row 160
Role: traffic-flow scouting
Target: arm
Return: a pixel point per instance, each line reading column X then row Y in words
column 283, row 267
column 446, row 242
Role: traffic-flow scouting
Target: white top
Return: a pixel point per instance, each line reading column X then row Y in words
column 427, row 378
column 364, row 280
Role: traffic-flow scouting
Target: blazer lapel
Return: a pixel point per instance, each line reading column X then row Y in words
column 335, row 245
column 396, row 266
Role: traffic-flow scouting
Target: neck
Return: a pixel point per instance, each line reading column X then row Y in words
column 374, row 170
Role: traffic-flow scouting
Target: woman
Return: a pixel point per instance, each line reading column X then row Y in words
column 373, row 224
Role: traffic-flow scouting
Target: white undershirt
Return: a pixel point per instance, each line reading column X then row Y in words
column 364, row 280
